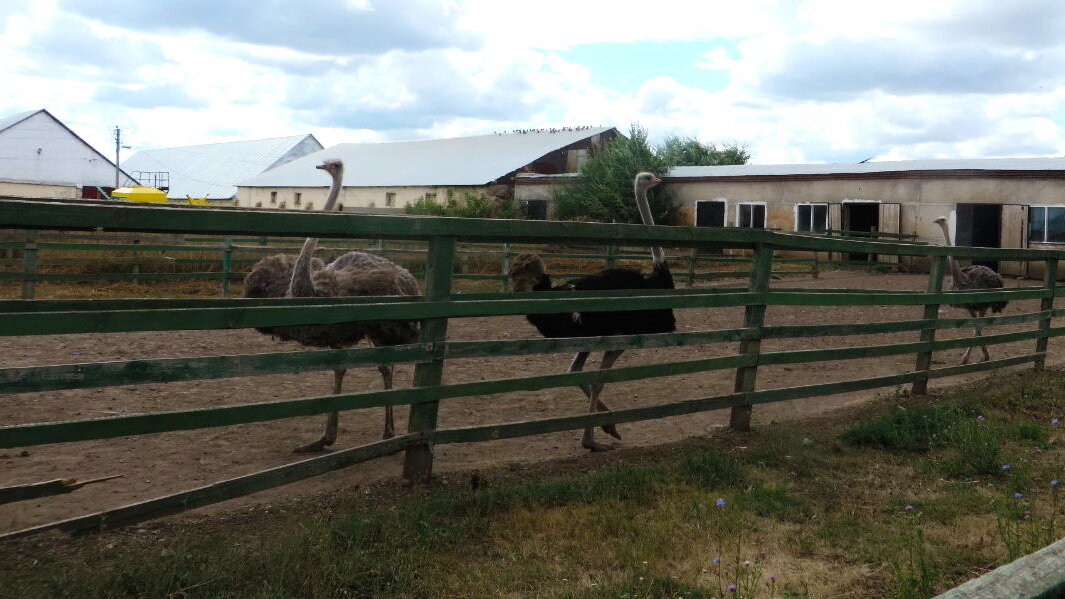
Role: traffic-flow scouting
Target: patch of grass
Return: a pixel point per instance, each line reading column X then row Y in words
column 904, row 429
column 641, row 587
column 1033, row 433
column 709, row 470
column 975, row 449
column 776, row 503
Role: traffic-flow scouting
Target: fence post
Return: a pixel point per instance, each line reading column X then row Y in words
column 754, row 317
column 1050, row 280
column 817, row 266
column 931, row 312
column 418, row 462
column 691, row 266
column 611, row 260
column 227, row 263
column 504, row 267
column 29, row 264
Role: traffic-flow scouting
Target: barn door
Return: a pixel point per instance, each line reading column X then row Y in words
column 835, row 221
column 1014, row 235
column 890, row 222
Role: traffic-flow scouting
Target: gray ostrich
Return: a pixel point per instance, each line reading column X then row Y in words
column 972, row 277
column 352, row 274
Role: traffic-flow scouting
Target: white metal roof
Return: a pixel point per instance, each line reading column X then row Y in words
column 756, row 170
column 216, row 169
column 7, row 121
column 455, row 161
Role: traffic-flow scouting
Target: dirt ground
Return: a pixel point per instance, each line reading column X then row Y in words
column 158, row 464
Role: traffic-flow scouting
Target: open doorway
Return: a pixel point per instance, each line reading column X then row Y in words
column 863, row 217
column 710, row 213
column 979, row 225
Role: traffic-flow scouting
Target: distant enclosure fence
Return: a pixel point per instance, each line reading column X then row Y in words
column 440, row 303
column 31, row 256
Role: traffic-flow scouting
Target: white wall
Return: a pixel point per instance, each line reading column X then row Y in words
column 40, row 150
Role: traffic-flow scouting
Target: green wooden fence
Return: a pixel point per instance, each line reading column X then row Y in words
column 226, row 258
column 433, row 349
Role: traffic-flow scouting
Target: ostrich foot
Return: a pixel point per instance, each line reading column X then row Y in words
column 594, row 445
column 388, row 434
column 315, row 447
column 611, row 430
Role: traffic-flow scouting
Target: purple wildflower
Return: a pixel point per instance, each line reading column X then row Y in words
column 731, row 588
column 720, row 502
column 772, row 579
column 1053, row 483
column 909, row 507
column 1054, row 421
column 716, row 560
column 1006, row 466
column 1017, row 495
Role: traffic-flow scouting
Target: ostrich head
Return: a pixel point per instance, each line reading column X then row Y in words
column 941, row 220
column 526, row 270
column 332, row 166
column 645, row 181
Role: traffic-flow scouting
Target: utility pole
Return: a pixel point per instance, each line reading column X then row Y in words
column 118, row 150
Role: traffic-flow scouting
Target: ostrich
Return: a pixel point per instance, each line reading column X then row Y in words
column 529, row 274
column 352, row 274
column 972, row 277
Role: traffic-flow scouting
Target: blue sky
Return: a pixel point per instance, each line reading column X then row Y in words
column 793, row 80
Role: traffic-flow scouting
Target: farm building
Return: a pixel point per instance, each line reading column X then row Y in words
column 213, row 170
column 385, row 177
column 40, row 157
column 1008, row 203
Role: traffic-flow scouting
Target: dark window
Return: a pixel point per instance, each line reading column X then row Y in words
column 710, row 213
column 811, row 217
column 1046, row 224
column 752, row 216
column 536, row 210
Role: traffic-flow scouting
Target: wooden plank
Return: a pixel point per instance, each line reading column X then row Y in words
column 779, row 298
column 931, row 312
column 754, row 317
column 418, row 461
column 29, row 265
column 223, row 490
column 1039, row 575
column 890, row 223
column 27, row 379
column 139, row 424
column 548, row 425
column 1050, row 281
column 238, row 318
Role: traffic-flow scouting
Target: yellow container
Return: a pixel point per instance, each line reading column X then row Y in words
column 139, row 194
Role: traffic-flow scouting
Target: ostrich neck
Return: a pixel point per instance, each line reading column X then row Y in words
column 657, row 254
column 302, row 283
column 334, row 191
column 955, row 270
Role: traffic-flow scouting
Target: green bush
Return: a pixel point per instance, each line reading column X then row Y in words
column 904, row 429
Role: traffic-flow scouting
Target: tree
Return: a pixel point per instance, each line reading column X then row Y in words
column 474, row 205
column 689, row 151
column 603, row 192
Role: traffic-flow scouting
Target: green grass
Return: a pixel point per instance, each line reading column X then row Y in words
column 890, row 511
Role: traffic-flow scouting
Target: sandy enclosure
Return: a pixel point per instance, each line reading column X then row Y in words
column 154, row 465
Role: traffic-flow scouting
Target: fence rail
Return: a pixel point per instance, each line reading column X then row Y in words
column 441, row 238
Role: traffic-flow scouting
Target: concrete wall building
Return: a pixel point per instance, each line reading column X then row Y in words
column 385, row 177
column 1009, row 203
column 213, row 170
column 40, row 157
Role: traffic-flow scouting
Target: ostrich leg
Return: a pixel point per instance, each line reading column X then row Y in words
column 332, row 420
column 596, row 405
column 390, row 426
column 980, row 333
column 592, row 391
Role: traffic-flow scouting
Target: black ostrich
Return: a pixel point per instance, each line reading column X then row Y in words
column 529, row 274
column 354, row 273
column 975, row 276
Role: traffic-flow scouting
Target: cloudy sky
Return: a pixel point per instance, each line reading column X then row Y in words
column 795, row 81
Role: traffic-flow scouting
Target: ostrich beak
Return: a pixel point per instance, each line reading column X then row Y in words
column 321, row 166
column 655, row 180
